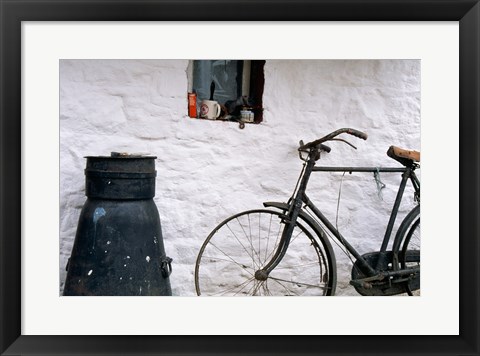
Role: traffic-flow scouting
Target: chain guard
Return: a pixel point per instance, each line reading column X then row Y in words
column 385, row 287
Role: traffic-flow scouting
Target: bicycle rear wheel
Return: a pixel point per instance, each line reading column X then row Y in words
column 410, row 255
column 244, row 243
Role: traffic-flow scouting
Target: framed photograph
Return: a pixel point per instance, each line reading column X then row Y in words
column 205, row 103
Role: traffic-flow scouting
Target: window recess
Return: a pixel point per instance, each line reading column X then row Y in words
column 236, row 85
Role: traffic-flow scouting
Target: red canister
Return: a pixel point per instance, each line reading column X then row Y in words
column 192, row 105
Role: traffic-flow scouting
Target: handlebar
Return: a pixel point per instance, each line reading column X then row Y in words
column 332, row 136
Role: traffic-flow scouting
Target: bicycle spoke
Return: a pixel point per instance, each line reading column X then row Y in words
column 296, row 266
column 250, row 290
column 296, row 283
column 251, row 256
column 233, row 288
column 288, row 290
column 251, row 237
column 268, row 239
column 231, row 259
column 291, row 240
column 258, row 285
column 415, row 246
column 259, row 240
column 250, row 280
column 253, row 290
column 250, row 240
column 265, row 288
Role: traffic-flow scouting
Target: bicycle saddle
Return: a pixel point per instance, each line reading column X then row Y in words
column 405, row 157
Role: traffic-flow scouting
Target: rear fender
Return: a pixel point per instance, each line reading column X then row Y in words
column 402, row 230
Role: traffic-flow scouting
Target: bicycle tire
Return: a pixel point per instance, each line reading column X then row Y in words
column 243, row 243
column 409, row 254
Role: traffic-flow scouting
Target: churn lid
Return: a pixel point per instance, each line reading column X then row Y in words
column 120, row 176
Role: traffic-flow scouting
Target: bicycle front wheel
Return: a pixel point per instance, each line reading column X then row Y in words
column 244, row 243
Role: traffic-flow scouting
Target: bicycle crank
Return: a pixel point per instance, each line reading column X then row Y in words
column 387, row 281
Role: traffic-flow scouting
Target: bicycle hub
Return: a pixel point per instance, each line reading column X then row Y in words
column 261, row 275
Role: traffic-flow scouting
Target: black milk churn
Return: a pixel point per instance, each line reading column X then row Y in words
column 118, row 247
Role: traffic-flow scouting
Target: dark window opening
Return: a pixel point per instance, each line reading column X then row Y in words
column 237, row 85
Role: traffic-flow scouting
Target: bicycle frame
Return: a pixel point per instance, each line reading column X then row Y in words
column 300, row 197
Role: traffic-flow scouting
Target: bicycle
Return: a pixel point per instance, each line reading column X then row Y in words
column 285, row 249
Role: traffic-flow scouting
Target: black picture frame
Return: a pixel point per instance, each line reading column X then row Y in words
column 13, row 12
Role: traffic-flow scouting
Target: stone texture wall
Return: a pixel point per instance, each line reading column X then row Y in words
column 208, row 170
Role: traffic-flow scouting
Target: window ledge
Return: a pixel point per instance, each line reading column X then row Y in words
column 228, row 118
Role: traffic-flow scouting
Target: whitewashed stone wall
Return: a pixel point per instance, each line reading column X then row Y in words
column 209, row 170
